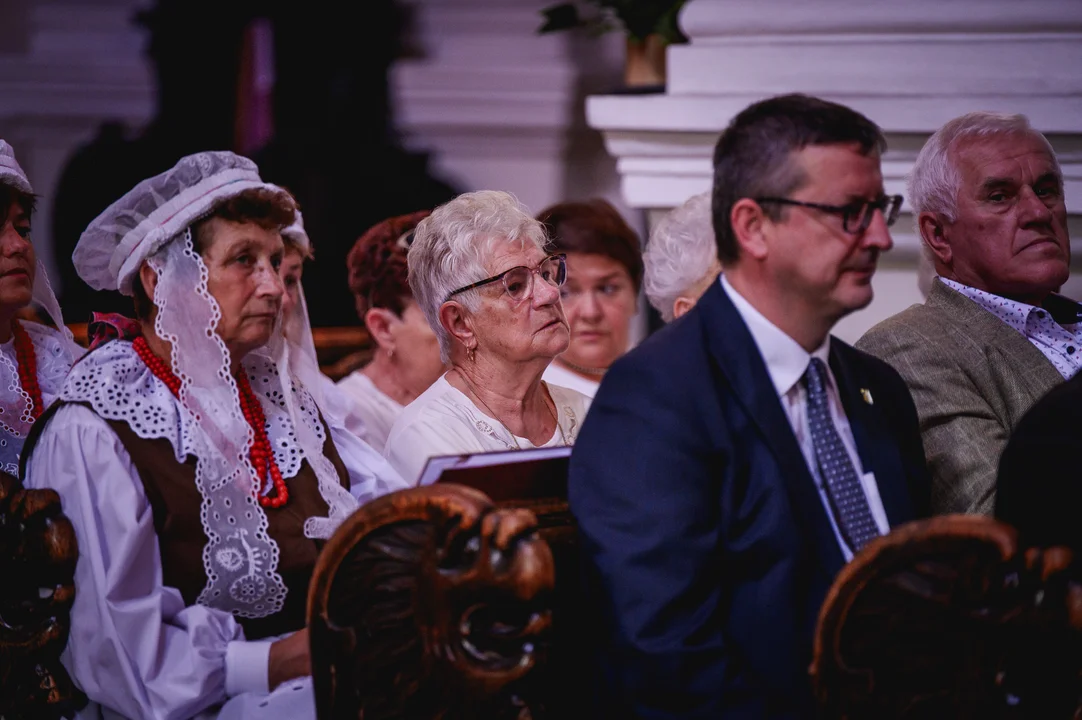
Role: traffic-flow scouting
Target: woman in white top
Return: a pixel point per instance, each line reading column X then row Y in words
column 604, row 271
column 480, row 269
column 407, row 357
column 199, row 474
column 34, row 358
column 681, row 258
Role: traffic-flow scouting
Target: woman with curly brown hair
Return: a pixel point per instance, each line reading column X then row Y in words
column 407, row 358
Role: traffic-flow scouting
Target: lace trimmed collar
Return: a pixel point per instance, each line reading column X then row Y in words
column 118, row 385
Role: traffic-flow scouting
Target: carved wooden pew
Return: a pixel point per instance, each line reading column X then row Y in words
column 949, row 618
column 431, row 603
column 37, row 588
column 439, row 603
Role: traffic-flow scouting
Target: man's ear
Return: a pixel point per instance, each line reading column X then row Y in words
column 749, row 222
column 681, row 305
column 379, row 322
column 458, row 323
column 933, row 232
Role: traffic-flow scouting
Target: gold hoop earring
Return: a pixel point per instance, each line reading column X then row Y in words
column 471, row 354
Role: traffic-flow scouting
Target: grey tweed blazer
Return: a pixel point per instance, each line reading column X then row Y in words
column 972, row 377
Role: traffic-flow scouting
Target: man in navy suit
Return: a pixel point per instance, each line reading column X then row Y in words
column 735, row 460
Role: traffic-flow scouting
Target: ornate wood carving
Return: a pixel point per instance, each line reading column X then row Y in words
column 37, row 566
column 431, row 603
column 948, row 618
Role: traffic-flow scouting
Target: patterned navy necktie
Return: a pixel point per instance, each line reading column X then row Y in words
column 843, row 486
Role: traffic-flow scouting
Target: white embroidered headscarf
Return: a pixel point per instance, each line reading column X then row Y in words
column 296, row 326
column 15, row 403
column 152, row 224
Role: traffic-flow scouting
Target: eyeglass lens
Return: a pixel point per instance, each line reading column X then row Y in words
column 858, row 219
column 517, row 280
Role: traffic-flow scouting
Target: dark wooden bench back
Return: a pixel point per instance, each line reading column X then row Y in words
column 431, row 603
column 948, row 618
column 37, row 588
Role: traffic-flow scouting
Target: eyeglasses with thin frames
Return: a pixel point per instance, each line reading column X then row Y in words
column 856, row 216
column 518, row 281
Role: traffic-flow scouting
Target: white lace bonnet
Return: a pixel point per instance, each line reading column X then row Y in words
column 114, row 246
column 297, row 234
column 11, row 173
column 152, row 224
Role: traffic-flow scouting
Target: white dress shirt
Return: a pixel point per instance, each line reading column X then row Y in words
column 1061, row 344
column 786, row 362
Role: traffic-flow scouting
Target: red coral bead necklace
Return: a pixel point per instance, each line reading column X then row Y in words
column 262, row 454
column 27, row 363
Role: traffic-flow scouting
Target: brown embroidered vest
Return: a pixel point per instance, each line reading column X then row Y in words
column 175, row 502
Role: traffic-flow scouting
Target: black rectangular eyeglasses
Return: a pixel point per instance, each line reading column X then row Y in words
column 518, row 281
column 856, row 216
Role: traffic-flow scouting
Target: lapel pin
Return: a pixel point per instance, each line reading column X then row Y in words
column 867, row 395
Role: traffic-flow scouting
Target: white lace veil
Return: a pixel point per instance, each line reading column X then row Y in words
column 240, row 558
column 296, row 325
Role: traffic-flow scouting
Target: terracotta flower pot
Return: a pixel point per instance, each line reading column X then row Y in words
column 645, row 65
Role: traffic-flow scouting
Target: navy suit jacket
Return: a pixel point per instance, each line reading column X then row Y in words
column 707, row 550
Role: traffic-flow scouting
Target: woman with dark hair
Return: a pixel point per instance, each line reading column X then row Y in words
column 604, row 274
column 407, row 357
column 34, row 358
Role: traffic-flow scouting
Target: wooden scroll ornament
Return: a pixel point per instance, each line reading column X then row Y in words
column 430, row 603
column 37, row 567
column 948, row 618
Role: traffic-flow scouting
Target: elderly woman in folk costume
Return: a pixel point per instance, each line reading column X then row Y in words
column 296, row 328
column 480, row 269
column 197, row 469
column 34, row 358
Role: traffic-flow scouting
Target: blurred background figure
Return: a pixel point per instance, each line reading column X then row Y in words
column 406, row 357
column 604, row 274
column 681, row 258
column 298, row 331
column 296, row 93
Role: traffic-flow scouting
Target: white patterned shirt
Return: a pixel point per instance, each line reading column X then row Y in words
column 1060, row 343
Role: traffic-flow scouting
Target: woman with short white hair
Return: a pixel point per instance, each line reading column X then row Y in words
column 480, row 269
column 680, row 247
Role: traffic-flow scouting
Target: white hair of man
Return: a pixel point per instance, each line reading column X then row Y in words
column 681, row 251
column 934, row 181
column 450, row 246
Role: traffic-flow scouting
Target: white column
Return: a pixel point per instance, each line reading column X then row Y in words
column 908, row 66
column 502, row 108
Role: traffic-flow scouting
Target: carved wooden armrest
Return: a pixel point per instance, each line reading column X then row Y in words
column 430, row 602
column 948, row 618
column 37, row 566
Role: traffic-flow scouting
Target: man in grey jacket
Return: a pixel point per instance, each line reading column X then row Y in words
column 992, row 336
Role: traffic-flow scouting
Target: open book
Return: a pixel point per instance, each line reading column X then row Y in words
column 514, row 474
